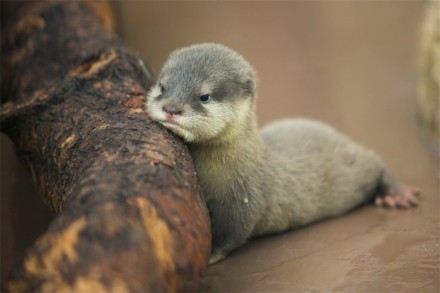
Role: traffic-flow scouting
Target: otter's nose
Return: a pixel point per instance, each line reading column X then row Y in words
column 172, row 110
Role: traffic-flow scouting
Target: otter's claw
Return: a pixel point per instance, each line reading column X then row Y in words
column 405, row 198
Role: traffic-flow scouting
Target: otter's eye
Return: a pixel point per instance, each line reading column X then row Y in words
column 162, row 89
column 205, row 98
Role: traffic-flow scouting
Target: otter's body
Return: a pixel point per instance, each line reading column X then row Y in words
column 293, row 173
column 319, row 173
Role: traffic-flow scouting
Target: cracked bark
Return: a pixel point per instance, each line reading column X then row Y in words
column 130, row 212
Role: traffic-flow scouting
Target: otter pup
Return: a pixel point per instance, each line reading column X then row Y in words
column 294, row 172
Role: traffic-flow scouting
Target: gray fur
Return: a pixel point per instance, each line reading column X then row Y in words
column 207, row 63
column 296, row 172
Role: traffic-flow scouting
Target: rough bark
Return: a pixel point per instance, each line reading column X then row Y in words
column 130, row 212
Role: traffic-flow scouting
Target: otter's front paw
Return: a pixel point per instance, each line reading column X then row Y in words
column 405, row 197
column 216, row 257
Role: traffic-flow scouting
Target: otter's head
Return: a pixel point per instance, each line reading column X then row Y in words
column 204, row 92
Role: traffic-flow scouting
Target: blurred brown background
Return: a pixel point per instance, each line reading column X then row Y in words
column 352, row 64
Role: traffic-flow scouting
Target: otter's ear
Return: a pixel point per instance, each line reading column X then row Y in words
column 250, row 86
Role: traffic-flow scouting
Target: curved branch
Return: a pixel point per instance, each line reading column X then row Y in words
column 131, row 215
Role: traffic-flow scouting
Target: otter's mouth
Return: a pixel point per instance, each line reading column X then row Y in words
column 173, row 126
column 170, row 124
column 178, row 129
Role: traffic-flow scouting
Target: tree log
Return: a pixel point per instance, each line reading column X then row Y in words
column 130, row 212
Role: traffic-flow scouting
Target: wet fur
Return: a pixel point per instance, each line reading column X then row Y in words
column 293, row 173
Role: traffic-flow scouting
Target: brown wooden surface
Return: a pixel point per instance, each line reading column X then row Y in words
column 131, row 216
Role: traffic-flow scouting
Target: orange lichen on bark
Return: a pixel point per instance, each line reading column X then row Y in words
column 92, row 67
column 155, row 225
column 57, row 248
